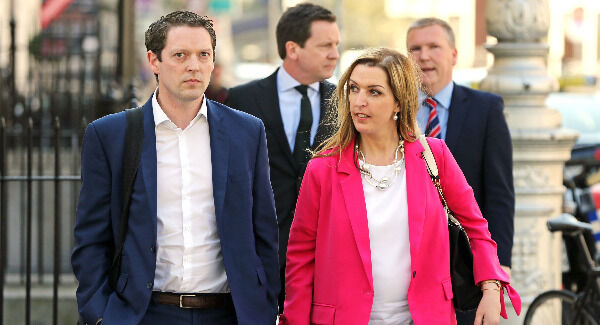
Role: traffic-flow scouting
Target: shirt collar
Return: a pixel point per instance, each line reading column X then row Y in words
column 160, row 116
column 443, row 97
column 286, row 82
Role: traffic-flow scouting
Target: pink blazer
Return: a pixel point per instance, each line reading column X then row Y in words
column 328, row 273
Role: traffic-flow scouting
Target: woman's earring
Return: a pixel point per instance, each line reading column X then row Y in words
column 396, row 116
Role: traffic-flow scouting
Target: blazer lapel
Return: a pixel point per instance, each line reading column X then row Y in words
column 417, row 180
column 148, row 159
column 219, row 153
column 351, row 185
column 268, row 102
column 457, row 115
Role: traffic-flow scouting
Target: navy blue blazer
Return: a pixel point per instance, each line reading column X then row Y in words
column 260, row 98
column 244, row 207
column 479, row 140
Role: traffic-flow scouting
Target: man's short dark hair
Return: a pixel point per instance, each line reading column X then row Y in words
column 156, row 35
column 294, row 25
column 431, row 21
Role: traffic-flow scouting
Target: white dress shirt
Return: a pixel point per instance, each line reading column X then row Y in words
column 387, row 214
column 188, row 257
column 289, row 105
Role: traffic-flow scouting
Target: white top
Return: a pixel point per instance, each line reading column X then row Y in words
column 387, row 213
column 289, row 105
column 188, row 256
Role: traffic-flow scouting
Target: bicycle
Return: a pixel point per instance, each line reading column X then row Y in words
column 563, row 306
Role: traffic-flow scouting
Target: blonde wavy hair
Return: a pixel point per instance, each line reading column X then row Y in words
column 404, row 79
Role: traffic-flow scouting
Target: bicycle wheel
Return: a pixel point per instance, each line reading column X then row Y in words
column 556, row 307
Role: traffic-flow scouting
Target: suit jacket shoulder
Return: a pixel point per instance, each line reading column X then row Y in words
column 271, row 82
column 110, row 123
column 319, row 164
column 246, row 97
column 236, row 116
column 486, row 99
column 254, row 84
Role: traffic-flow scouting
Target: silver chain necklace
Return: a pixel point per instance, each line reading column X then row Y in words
column 385, row 182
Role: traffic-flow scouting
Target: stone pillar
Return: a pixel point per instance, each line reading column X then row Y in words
column 540, row 146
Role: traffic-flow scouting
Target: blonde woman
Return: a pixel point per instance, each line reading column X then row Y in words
column 369, row 240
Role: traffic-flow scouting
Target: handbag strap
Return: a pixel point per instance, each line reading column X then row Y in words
column 134, row 134
column 429, row 158
column 432, row 169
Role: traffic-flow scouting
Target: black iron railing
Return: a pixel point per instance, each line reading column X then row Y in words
column 40, row 144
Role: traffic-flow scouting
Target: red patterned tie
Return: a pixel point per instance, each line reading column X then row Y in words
column 433, row 128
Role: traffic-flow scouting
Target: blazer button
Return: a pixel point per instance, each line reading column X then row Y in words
column 153, row 249
column 149, row 285
column 414, row 274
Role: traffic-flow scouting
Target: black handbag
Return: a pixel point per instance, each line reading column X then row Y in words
column 134, row 134
column 467, row 294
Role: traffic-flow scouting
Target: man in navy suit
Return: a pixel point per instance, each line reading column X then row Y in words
column 201, row 245
column 307, row 40
column 473, row 126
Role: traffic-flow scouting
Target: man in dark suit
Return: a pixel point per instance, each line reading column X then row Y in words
column 473, row 126
column 201, row 245
column 293, row 104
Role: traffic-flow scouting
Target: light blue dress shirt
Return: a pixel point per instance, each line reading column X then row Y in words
column 289, row 105
column 443, row 98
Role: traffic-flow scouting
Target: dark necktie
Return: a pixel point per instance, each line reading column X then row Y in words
column 302, row 142
column 433, row 128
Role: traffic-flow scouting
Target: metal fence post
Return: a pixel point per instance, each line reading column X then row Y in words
column 29, row 225
column 3, row 214
column 57, row 221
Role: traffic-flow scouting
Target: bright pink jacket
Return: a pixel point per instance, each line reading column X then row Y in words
column 328, row 274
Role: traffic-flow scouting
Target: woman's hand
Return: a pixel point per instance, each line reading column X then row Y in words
column 488, row 311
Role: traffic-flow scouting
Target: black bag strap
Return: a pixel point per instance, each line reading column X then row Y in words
column 131, row 159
